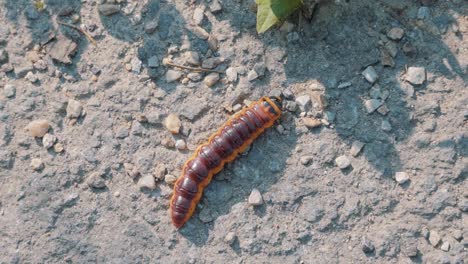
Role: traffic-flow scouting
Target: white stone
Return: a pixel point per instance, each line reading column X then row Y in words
column 370, row 74
column 434, row 238
column 356, row 148
column 170, row 179
column 198, row 15
column 304, row 102
column 231, row 74
column 255, row 198
column 386, row 126
column 343, row 162
column 147, row 181
column 74, row 109
column 230, row 238
column 396, row 33
column 38, row 128
column 416, row 75
column 10, row 90
column 180, row 144
column 372, row 105
column 445, row 246
column 172, row 76
column 401, row 177
column 36, row 164
column 49, row 140
column 211, row 79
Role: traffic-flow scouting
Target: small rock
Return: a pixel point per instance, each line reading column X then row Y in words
column 370, row 74
column 151, row 26
column 153, row 62
column 343, row 162
column 172, row 76
column 108, row 9
column 116, row 194
column 231, row 74
column 74, row 109
column 9, row 90
column 305, row 160
column 230, row 238
column 372, row 105
column 383, row 110
column 356, row 148
column 411, row 250
column 311, row 122
column 173, row 123
column 213, row 42
column 211, row 63
column 211, row 79
column 200, row 33
column 215, row 6
column 194, row 76
column 434, row 238
column 131, row 171
column 170, row 179
column 290, row 106
column 62, row 49
column 38, row 128
column 31, row 77
column 344, row 85
column 122, row 132
column 192, row 58
column 136, row 65
column 386, row 126
column 401, row 177
column 159, row 171
column 255, row 198
column 445, row 246
column 58, row 148
column 95, row 181
column 386, row 59
column 367, row 246
column 37, row 164
column 395, row 33
column 424, row 13
column 304, row 102
column 252, row 75
column 260, row 69
column 198, row 15
column 237, row 108
column 147, row 181
column 416, row 75
column 49, row 140
column 180, row 144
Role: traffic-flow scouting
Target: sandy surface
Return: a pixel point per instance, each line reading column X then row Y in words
column 368, row 164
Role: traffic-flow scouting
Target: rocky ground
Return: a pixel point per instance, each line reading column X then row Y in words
column 368, row 164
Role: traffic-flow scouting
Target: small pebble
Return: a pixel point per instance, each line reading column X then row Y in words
column 395, row 33
column 38, row 128
column 147, row 181
column 230, row 238
column 252, row 75
column 192, row 58
column 280, row 129
column 37, row 164
column 212, row 63
column 194, row 76
column 343, row 162
column 136, row 65
column 211, row 79
column 151, row 26
column 10, row 90
column 236, row 108
column 344, row 85
column 401, row 177
column 173, row 123
column 153, row 62
column 231, row 74
column 290, row 106
column 255, row 198
column 95, row 181
column 215, row 6
column 416, row 75
column 159, row 171
column 356, row 148
column 423, row 13
column 31, row 77
column 411, row 250
column 370, row 74
column 386, row 126
column 170, row 179
column 200, row 33
column 49, row 140
column 108, row 9
column 58, row 147
column 312, row 122
column 74, row 109
column 372, row 105
column 116, row 194
column 198, row 15
column 172, row 76
column 434, row 238
column 445, row 246
column 305, row 160
column 304, row 102
column 180, row 144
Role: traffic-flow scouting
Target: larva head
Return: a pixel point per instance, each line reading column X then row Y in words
column 273, row 104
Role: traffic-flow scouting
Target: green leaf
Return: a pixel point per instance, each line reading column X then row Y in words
column 271, row 12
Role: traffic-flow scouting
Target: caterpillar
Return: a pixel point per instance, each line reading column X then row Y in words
column 222, row 147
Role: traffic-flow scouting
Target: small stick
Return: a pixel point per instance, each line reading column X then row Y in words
column 192, row 68
column 87, row 35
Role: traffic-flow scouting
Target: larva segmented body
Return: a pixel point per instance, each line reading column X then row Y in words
column 222, row 147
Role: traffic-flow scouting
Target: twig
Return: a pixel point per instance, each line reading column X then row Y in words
column 87, row 35
column 192, row 68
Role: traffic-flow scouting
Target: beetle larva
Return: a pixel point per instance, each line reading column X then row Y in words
column 222, row 147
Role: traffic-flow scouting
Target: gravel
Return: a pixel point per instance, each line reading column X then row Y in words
column 38, row 128
column 173, row 123
column 401, row 177
column 416, row 75
column 146, row 182
column 343, row 162
column 74, row 109
column 255, row 198
column 370, row 74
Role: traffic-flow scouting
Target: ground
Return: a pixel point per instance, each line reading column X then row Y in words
column 368, row 163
